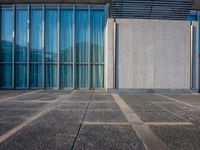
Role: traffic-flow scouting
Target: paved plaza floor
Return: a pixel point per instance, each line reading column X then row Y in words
column 96, row 120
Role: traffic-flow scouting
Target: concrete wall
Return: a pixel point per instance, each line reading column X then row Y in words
column 109, row 55
column 151, row 54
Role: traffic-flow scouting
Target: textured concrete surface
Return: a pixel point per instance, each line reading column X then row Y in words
column 151, row 54
column 93, row 120
column 155, row 109
column 103, row 137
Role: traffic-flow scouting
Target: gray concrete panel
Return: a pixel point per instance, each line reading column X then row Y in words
column 151, row 54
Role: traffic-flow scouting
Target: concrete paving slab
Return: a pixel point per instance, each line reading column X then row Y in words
column 103, row 105
column 142, row 106
column 69, row 116
column 192, row 116
column 68, row 106
column 158, row 116
column 6, row 105
column 185, row 97
column 11, row 118
column 179, row 137
column 103, row 137
column 9, row 95
column 33, row 96
column 143, row 97
column 102, row 98
column 177, row 107
column 43, row 135
column 105, row 116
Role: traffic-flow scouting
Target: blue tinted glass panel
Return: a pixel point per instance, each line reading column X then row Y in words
column 66, row 35
column 66, row 76
column 6, row 35
column 21, row 35
column 97, row 35
column 82, row 76
column 51, row 75
column 36, row 35
column 97, row 76
column 81, row 35
column 20, row 76
column 36, row 75
column 6, row 75
column 51, row 35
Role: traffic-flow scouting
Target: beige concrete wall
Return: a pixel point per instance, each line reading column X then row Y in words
column 152, row 54
column 109, row 46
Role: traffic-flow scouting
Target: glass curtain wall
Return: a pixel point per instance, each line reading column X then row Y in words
column 6, row 48
column 66, row 48
column 21, row 46
column 36, row 49
column 97, row 48
column 81, row 47
column 52, row 46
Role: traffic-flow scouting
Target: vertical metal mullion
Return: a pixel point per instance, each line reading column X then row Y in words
column 28, row 49
column 43, row 47
column 58, row 52
column 74, row 51
column 114, row 55
column 89, row 83
column 13, row 50
column 198, row 55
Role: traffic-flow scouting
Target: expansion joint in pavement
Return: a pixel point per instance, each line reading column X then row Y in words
column 81, row 123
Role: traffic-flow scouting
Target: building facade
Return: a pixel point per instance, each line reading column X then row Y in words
column 99, row 45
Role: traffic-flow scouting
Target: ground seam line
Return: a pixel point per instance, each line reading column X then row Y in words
column 171, row 112
column 9, row 98
column 146, row 135
column 176, row 100
column 129, row 123
column 81, row 123
column 31, row 119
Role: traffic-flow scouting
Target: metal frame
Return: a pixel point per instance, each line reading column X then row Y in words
column 74, row 51
column 28, row 49
column 43, row 47
column 13, row 49
column 114, row 55
column 74, row 63
column 58, row 53
column 89, row 51
column 198, row 55
column 152, row 9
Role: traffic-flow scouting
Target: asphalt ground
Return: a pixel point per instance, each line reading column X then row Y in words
column 51, row 119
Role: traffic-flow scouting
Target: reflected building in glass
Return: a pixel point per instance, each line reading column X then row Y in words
column 52, row 46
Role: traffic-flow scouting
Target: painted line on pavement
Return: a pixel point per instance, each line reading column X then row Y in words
column 149, row 139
